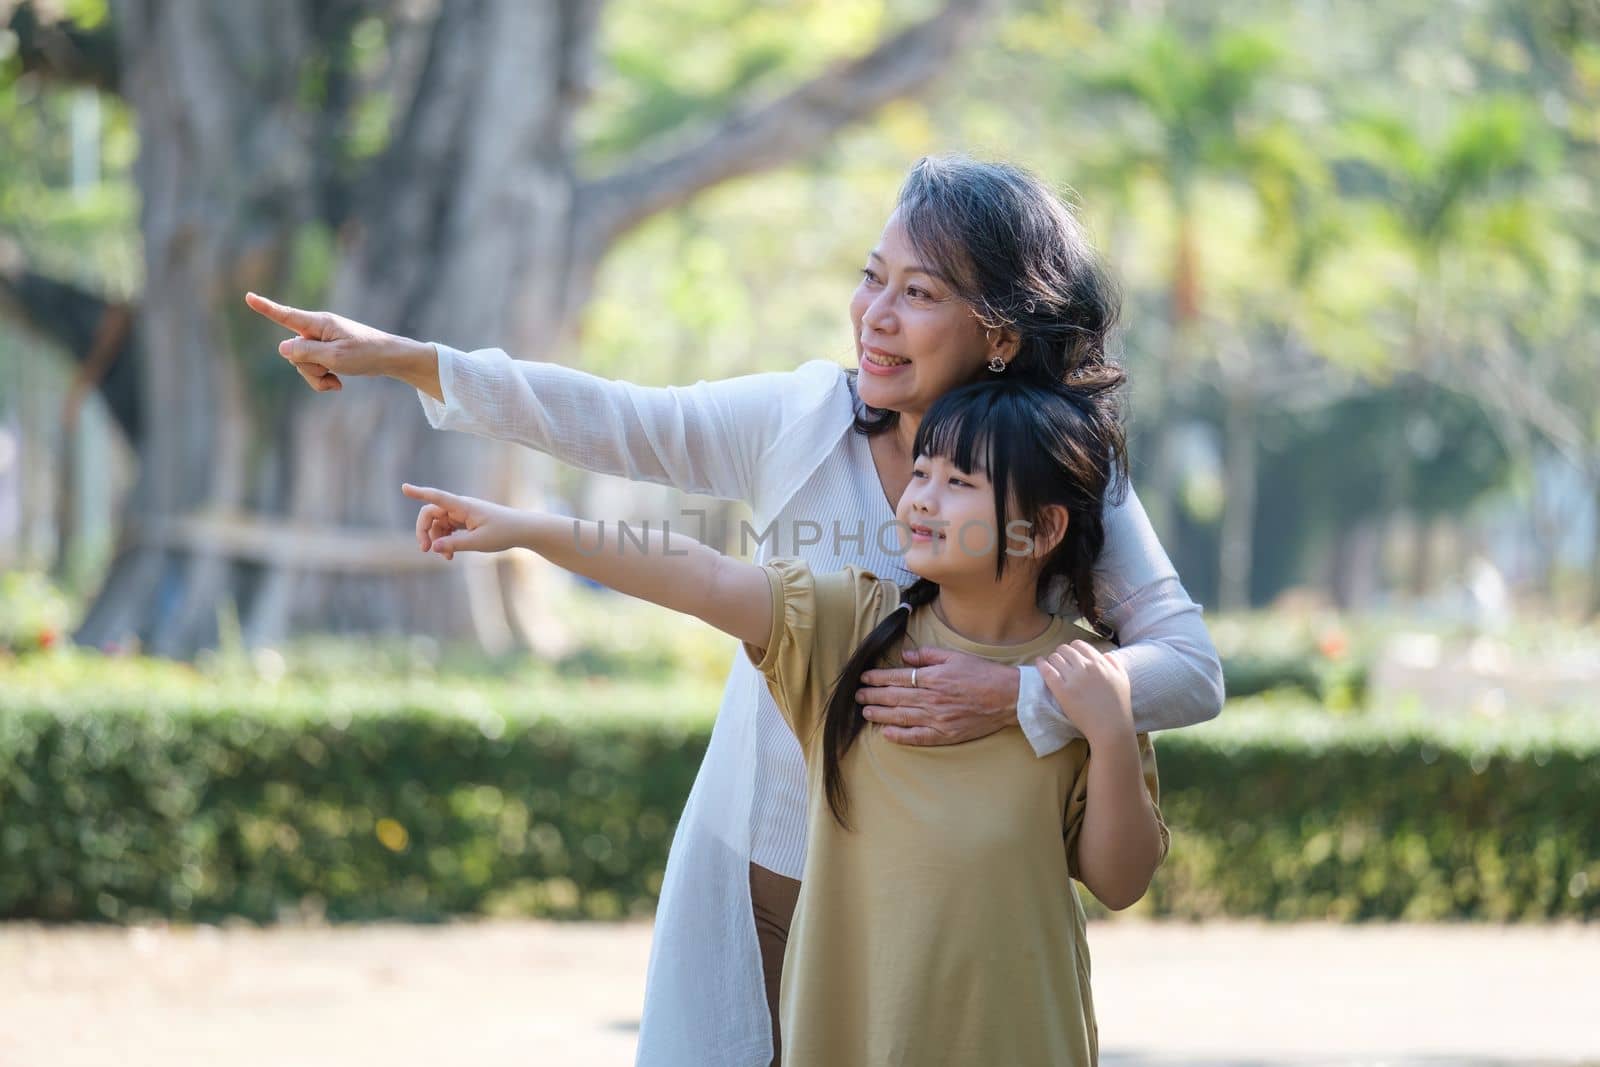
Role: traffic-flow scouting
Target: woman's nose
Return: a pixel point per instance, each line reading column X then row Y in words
column 879, row 315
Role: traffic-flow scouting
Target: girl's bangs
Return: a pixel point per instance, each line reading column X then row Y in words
column 958, row 433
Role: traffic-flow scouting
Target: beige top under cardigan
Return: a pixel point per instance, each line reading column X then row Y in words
column 943, row 927
column 782, row 442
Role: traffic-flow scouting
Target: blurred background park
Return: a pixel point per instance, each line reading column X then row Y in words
column 1358, row 248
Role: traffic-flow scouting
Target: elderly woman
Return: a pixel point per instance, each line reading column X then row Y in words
column 980, row 270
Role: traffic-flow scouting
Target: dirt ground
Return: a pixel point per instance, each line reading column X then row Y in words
column 533, row 993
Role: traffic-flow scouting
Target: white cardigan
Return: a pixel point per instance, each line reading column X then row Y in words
column 783, row 443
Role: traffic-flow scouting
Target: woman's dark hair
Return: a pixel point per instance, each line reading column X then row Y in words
column 1018, row 256
column 1039, row 445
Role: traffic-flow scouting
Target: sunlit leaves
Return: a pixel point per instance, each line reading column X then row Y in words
column 667, row 65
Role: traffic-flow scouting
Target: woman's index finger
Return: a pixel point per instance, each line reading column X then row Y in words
column 282, row 314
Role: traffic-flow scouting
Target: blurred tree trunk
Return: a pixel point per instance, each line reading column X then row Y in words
column 1239, row 494
column 219, row 141
column 472, row 227
column 1593, row 606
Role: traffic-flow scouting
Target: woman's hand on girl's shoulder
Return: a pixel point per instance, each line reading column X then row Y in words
column 449, row 523
column 1091, row 687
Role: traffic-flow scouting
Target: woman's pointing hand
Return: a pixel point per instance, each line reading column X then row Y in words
column 328, row 347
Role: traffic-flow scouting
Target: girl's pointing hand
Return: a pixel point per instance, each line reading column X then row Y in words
column 448, row 523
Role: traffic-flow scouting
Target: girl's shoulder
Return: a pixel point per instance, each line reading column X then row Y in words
column 849, row 592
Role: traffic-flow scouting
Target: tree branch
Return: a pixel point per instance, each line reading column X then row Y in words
column 63, row 52
column 84, row 325
column 760, row 136
column 580, row 23
column 1499, row 380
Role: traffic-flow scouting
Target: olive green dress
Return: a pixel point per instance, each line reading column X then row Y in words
column 944, row 927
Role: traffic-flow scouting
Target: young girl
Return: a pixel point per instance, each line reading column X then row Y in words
column 937, row 921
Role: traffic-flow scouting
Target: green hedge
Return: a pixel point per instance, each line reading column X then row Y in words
column 366, row 805
column 1341, row 682
column 1307, row 816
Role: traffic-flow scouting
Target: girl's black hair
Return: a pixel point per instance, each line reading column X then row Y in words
column 1018, row 256
column 1040, row 445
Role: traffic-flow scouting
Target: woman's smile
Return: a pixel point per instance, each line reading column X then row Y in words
column 904, row 304
column 878, row 361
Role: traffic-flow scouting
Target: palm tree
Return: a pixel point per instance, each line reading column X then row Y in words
column 1199, row 105
column 1456, row 198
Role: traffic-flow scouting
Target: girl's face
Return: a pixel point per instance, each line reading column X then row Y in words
column 952, row 535
column 915, row 339
column 953, row 532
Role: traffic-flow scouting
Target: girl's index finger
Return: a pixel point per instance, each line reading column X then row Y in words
column 455, row 508
column 426, row 493
column 430, row 496
column 290, row 317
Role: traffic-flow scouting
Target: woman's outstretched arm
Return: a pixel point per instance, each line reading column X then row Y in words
column 717, row 438
column 657, row 565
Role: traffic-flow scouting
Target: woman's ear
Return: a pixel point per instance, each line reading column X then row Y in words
column 1002, row 342
column 1052, row 528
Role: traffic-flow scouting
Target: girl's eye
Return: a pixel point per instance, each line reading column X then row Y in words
column 958, row 481
column 866, row 273
column 918, row 474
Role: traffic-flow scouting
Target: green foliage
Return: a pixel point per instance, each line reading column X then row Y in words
column 1197, row 92
column 675, row 63
column 1434, row 185
column 412, row 813
column 1341, row 683
column 153, row 791
column 1411, row 445
column 1321, row 658
column 34, row 614
column 1321, row 819
column 135, row 788
column 88, row 232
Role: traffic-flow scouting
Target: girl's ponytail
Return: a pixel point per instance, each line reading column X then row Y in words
column 842, row 721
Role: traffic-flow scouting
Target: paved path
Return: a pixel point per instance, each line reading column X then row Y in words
column 491, row 994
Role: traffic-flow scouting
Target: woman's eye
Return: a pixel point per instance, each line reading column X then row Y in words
column 866, row 274
column 919, row 294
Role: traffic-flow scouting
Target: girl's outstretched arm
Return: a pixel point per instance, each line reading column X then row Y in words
column 651, row 563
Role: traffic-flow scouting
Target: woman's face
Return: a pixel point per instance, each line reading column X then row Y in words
column 915, row 339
